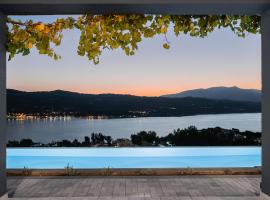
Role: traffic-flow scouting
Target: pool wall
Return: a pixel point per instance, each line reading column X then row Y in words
column 135, row 172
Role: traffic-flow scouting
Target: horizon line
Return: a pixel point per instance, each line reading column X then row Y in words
column 176, row 92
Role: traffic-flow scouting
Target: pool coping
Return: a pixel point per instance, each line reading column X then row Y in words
column 135, row 171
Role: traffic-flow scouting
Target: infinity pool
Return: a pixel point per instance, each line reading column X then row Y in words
column 182, row 157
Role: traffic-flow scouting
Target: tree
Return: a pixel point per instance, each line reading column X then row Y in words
column 99, row 32
column 86, row 141
column 108, row 140
column 145, row 138
column 100, row 139
column 76, row 143
column 26, row 143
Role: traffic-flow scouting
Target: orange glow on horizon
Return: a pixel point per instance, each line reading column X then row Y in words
column 146, row 91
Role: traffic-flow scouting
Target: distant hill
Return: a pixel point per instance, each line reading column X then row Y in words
column 228, row 93
column 114, row 105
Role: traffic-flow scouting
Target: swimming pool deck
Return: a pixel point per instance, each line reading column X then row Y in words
column 136, row 188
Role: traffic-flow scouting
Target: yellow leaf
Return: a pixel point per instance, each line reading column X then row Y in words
column 163, row 29
column 40, row 27
column 30, row 45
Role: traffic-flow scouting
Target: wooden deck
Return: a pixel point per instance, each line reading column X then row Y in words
column 136, row 188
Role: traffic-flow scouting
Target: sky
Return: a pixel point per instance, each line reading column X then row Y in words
column 221, row 59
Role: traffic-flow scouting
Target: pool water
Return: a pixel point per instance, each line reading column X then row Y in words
column 149, row 157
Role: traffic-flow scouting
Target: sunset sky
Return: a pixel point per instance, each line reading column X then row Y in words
column 222, row 59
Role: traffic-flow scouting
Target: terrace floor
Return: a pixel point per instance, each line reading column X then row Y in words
column 136, row 188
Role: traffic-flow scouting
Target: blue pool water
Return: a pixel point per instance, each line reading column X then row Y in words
column 176, row 157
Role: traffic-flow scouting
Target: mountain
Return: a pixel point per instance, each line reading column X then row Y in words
column 114, row 105
column 228, row 93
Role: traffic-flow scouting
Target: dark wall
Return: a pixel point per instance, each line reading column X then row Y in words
column 266, row 103
column 2, row 107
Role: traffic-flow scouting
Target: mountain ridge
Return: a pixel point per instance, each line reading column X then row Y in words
column 115, row 105
column 226, row 93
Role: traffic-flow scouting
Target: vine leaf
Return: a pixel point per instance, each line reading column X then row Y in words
column 100, row 32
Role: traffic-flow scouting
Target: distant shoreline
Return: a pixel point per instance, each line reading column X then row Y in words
column 62, row 103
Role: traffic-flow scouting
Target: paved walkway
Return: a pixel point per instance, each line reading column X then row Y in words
column 136, row 188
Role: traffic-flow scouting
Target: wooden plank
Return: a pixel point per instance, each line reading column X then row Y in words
column 138, row 188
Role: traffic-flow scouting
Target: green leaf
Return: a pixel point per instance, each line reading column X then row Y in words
column 166, row 46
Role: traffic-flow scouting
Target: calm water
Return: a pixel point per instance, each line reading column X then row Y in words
column 48, row 130
column 177, row 157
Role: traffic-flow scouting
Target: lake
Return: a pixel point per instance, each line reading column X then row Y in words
column 45, row 130
column 150, row 157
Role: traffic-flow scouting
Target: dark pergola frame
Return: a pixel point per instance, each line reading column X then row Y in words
column 179, row 7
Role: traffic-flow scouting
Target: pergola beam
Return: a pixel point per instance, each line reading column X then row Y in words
column 180, row 7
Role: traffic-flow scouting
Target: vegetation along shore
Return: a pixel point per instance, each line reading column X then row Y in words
column 190, row 136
